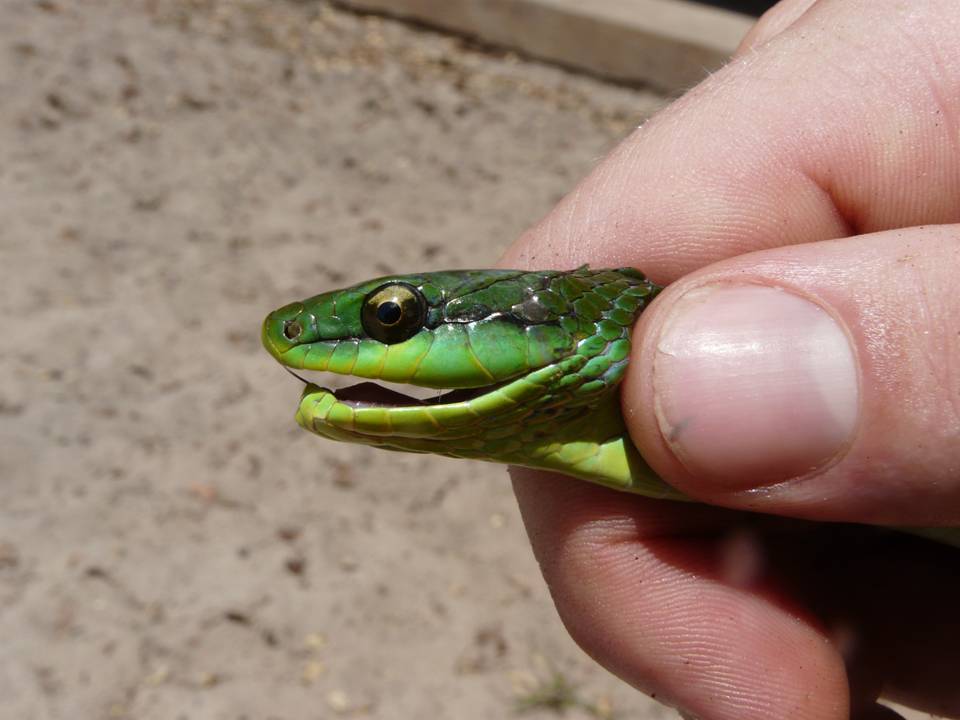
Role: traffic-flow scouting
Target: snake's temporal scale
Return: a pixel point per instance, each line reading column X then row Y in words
column 530, row 362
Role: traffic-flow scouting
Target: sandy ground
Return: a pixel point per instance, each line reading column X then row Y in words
column 172, row 545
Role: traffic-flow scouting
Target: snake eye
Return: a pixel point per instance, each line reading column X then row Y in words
column 292, row 329
column 393, row 313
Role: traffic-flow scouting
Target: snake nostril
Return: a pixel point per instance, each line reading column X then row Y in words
column 292, row 329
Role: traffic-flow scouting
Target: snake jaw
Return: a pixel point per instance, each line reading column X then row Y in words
column 373, row 415
column 512, row 423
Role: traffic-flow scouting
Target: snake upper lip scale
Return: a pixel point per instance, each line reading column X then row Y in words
column 529, row 362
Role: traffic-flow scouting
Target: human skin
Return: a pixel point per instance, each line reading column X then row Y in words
column 803, row 362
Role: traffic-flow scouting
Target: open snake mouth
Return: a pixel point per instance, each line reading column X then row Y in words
column 369, row 394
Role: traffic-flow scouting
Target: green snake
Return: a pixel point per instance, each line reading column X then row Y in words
column 531, row 362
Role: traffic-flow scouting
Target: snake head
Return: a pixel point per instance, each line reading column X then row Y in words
column 465, row 329
column 530, row 362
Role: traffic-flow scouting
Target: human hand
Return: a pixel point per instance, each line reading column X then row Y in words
column 796, row 365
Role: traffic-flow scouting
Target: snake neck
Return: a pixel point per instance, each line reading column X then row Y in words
column 589, row 442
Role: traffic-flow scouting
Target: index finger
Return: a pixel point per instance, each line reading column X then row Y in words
column 815, row 135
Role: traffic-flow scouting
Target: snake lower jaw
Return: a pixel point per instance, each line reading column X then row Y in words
column 369, row 414
column 366, row 411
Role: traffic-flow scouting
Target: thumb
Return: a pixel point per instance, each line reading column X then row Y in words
column 816, row 380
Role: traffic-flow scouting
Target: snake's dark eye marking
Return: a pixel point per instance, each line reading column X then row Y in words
column 393, row 313
column 292, row 329
column 389, row 313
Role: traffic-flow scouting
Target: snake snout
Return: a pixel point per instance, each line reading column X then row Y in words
column 284, row 329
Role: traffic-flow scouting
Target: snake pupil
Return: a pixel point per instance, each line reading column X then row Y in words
column 393, row 312
column 389, row 313
column 292, row 329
